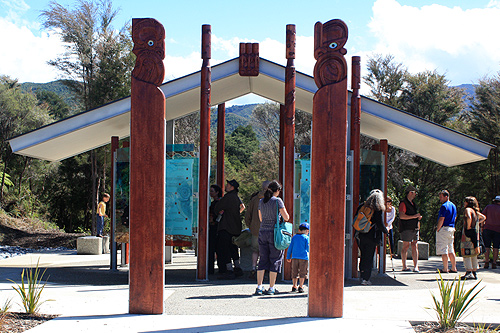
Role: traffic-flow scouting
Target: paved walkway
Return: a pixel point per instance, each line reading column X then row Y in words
column 91, row 298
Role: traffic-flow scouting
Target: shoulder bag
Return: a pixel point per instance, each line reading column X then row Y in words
column 282, row 232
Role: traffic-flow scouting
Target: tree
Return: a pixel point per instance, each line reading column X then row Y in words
column 241, row 145
column 98, row 59
column 19, row 113
column 58, row 109
column 385, row 78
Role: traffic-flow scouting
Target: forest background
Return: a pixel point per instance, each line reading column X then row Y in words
column 97, row 66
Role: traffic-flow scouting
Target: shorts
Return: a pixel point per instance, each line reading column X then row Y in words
column 409, row 235
column 271, row 258
column 444, row 241
column 299, row 268
column 490, row 236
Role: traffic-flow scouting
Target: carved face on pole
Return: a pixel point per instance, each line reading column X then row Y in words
column 149, row 47
column 329, row 41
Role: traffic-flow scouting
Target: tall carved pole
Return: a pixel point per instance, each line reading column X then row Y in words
column 206, row 80
column 289, row 130
column 281, row 143
column 147, row 169
column 355, row 147
column 328, row 171
column 221, row 135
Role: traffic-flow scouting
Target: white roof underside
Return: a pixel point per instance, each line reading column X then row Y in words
column 94, row 128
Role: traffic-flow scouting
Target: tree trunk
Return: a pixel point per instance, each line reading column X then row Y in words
column 94, row 192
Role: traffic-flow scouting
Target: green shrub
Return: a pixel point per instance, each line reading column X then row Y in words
column 31, row 290
column 455, row 301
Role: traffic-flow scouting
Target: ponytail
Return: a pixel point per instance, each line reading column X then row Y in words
column 273, row 187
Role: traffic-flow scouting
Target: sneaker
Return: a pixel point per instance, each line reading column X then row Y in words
column 238, row 272
column 294, row 289
column 366, row 283
column 475, row 275
column 229, row 275
column 271, row 291
column 301, row 290
column 486, row 265
column 467, row 276
column 258, row 291
column 416, row 270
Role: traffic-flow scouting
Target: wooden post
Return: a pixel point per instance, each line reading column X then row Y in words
column 384, row 148
column 147, row 169
column 289, row 131
column 221, row 136
column 205, row 87
column 328, row 171
column 113, row 253
column 281, row 143
column 355, row 147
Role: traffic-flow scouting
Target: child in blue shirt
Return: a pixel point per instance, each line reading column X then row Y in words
column 298, row 254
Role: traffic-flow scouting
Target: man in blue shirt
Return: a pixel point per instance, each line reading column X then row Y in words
column 445, row 232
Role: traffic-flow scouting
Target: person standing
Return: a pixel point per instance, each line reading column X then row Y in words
column 252, row 221
column 101, row 214
column 298, row 255
column 229, row 207
column 369, row 241
column 390, row 216
column 469, row 245
column 410, row 225
column 271, row 258
column 215, row 194
column 491, row 232
column 445, row 232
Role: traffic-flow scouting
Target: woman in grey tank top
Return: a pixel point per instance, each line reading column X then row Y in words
column 271, row 258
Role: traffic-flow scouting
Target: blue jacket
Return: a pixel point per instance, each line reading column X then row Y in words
column 299, row 247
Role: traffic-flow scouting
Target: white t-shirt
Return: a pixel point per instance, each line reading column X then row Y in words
column 390, row 216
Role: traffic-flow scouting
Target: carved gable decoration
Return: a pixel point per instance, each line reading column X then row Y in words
column 249, row 59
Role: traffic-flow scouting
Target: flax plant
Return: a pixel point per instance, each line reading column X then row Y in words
column 30, row 290
column 4, row 311
column 455, row 301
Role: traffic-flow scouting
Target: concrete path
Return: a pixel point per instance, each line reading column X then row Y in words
column 91, row 298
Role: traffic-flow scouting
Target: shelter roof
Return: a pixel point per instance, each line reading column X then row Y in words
column 94, row 128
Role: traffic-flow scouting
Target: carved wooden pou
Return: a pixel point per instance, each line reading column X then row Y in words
column 328, row 171
column 147, row 170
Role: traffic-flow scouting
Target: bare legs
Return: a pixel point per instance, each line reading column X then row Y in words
column 404, row 254
column 272, row 278
column 453, row 261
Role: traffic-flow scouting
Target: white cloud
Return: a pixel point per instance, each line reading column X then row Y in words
column 454, row 41
column 24, row 56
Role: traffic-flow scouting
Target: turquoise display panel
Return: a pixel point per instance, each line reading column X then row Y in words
column 371, row 172
column 302, row 187
column 181, row 192
column 179, row 215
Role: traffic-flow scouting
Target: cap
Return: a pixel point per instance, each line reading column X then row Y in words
column 497, row 198
column 233, row 183
column 304, row 225
column 410, row 189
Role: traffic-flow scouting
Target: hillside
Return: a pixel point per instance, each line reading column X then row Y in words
column 55, row 86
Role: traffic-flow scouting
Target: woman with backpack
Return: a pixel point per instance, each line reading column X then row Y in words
column 469, row 245
column 367, row 242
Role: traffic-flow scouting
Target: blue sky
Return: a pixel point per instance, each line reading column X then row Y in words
column 456, row 38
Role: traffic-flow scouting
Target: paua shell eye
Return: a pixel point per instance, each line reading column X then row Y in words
column 151, row 43
column 333, row 45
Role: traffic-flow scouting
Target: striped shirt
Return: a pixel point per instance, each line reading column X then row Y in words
column 268, row 212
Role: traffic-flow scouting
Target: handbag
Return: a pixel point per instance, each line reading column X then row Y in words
column 282, row 232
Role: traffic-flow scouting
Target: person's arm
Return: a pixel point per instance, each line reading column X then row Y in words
column 284, row 214
column 242, row 207
column 289, row 251
column 480, row 218
column 379, row 221
column 468, row 218
column 249, row 213
column 260, row 216
column 440, row 223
